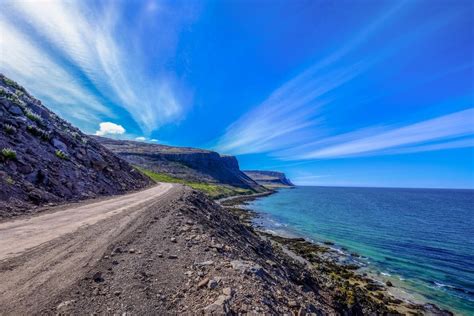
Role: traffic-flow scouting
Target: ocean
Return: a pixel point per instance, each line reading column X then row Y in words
column 422, row 240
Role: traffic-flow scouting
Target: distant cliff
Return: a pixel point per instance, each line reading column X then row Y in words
column 45, row 159
column 269, row 178
column 186, row 163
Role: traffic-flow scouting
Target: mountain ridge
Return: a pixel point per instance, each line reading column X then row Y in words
column 190, row 164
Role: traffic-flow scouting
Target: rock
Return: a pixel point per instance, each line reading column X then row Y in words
column 173, row 239
column 206, row 263
column 293, row 304
column 64, row 306
column 172, row 257
column 247, row 267
column 212, row 284
column 219, row 307
column 131, row 250
column 15, row 110
column 59, row 145
column 97, row 277
column 203, row 283
column 228, row 291
column 388, row 283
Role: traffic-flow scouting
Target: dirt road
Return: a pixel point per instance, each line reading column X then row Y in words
column 41, row 255
column 20, row 235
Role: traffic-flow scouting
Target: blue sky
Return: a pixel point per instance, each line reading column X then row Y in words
column 364, row 93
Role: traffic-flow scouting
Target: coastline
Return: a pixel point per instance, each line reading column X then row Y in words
column 335, row 266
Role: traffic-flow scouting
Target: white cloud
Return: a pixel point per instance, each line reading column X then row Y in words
column 291, row 114
column 109, row 128
column 140, row 139
column 71, row 39
column 443, row 131
column 154, row 140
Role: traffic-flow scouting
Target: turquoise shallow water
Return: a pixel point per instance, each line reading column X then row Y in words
column 424, row 238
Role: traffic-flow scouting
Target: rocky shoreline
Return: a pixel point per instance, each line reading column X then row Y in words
column 352, row 290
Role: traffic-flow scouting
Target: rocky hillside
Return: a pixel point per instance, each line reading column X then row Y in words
column 269, row 178
column 191, row 164
column 44, row 159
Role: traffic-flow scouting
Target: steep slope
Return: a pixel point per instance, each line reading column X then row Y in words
column 191, row 164
column 45, row 159
column 269, row 178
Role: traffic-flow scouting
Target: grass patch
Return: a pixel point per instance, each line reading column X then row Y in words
column 38, row 132
column 214, row 191
column 9, row 129
column 61, row 155
column 33, row 116
column 8, row 153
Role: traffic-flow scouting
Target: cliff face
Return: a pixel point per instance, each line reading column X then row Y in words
column 45, row 159
column 269, row 178
column 190, row 164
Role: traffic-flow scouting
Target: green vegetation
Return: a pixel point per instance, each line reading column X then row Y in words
column 8, row 153
column 38, row 132
column 12, row 84
column 60, row 154
column 9, row 180
column 9, row 129
column 214, row 191
column 33, row 116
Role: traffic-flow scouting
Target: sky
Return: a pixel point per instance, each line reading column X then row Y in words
column 339, row 93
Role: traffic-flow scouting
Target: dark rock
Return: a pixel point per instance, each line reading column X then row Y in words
column 97, row 277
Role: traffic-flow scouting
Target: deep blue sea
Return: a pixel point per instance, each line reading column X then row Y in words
column 420, row 239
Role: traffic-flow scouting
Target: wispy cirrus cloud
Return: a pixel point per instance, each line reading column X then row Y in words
column 78, row 56
column 291, row 124
column 455, row 130
column 291, row 114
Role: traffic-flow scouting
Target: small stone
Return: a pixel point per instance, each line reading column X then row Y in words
column 160, row 255
column 64, row 305
column 228, row 291
column 206, row 263
column 131, row 250
column 388, row 283
column 97, row 277
column 212, row 284
column 292, row 304
column 117, row 293
column 172, row 257
column 173, row 239
column 203, row 283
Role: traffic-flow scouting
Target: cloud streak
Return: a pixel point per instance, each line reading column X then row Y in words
column 445, row 130
column 80, row 56
column 292, row 122
column 291, row 114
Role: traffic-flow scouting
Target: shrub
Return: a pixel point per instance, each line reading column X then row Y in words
column 9, row 129
column 10, row 181
column 12, row 83
column 60, row 154
column 44, row 135
column 8, row 153
column 33, row 116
